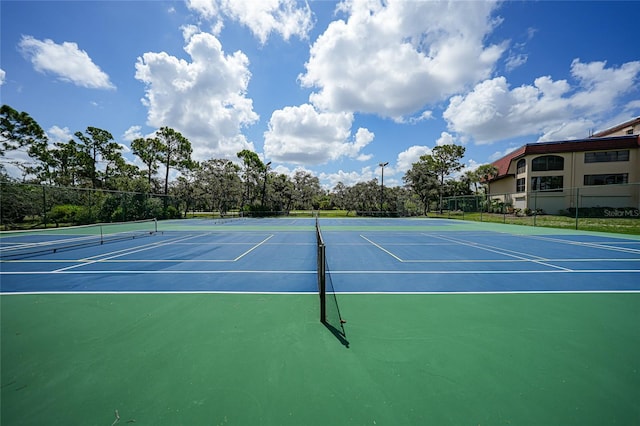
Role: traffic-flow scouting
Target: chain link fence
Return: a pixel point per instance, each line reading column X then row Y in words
column 29, row 205
column 567, row 206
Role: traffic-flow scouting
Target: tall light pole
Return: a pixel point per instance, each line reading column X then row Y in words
column 382, row 165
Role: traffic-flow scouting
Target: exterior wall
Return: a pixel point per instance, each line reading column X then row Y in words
column 574, row 190
column 548, row 201
column 502, row 186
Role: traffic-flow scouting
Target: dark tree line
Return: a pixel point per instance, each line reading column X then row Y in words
column 93, row 160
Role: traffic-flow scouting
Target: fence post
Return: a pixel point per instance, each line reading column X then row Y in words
column 44, row 206
column 504, row 211
column 535, row 208
column 577, row 206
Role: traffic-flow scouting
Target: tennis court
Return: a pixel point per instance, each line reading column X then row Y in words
column 218, row 322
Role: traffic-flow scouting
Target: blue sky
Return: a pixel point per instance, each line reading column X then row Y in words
column 333, row 88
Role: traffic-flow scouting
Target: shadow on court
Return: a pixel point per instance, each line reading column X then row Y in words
column 338, row 333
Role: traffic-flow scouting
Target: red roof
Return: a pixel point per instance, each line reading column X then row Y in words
column 580, row 145
column 617, row 128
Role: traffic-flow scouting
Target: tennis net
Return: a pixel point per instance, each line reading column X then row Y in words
column 329, row 311
column 26, row 243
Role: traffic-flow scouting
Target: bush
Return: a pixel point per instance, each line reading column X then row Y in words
column 172, row 213
column 69, row 213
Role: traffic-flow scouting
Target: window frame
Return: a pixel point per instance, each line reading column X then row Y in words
column 603, row 179
column 547, row 183
column 606, row 156
column 547, row 163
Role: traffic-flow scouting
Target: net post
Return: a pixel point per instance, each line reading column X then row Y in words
column 322, row 284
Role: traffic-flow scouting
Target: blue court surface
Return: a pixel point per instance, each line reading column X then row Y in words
column 448, row 323
column 363, row 256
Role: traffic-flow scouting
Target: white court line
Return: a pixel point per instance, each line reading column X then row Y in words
column 510, row 253
column 124, row 253
column 492, row 272
column 587, row 244
column 315, row 293
column 333, row 272
column 127, row 250
column 253, row 248
column 383, row 249
column 446, row 261
column 480, row 293
column 161, row 272
column 504, row 252
column 108, row 256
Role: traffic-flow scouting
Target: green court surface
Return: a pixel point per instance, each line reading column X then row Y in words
column 265, row 359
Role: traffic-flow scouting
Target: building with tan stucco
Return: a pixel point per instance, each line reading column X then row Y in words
column 600, row 171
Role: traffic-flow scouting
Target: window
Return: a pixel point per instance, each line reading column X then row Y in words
column 606, row 156
column 546, row 183
column 521, row 185
column 608, row 179
column 547, row 162
column 522, row 166
column 630, row 131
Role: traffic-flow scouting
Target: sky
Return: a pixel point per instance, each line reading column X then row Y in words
column 331, row 88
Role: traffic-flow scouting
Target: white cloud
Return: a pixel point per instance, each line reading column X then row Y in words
column 204, row 99
column 577, row 128
column 2, row 76
column 515, row 57
column 66, row 60
column 285, row 17
column 208, row 9
column 499, row 154
column 59, row 134
column 132, row 133
column 409, row 156
column 425, row 115
column 330, row 180
column 302, row 135
column 632, row 106
column 393, row 58
column 552, row 109
column 515, row 60
column 446, row 139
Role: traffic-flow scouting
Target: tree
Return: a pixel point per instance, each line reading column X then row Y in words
column 363, row 196
column 254, row 168
column 149, row 151
column 18, row 129
column 306, row 187
column 183, row 189
column 485, row 173
column 66, row 162
column 282, row 192
column 221, row 184
column 175, row 152
column 338, row 196
column 422, row 181
column 45, row 166
column 98, row 145
column 443, row 161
